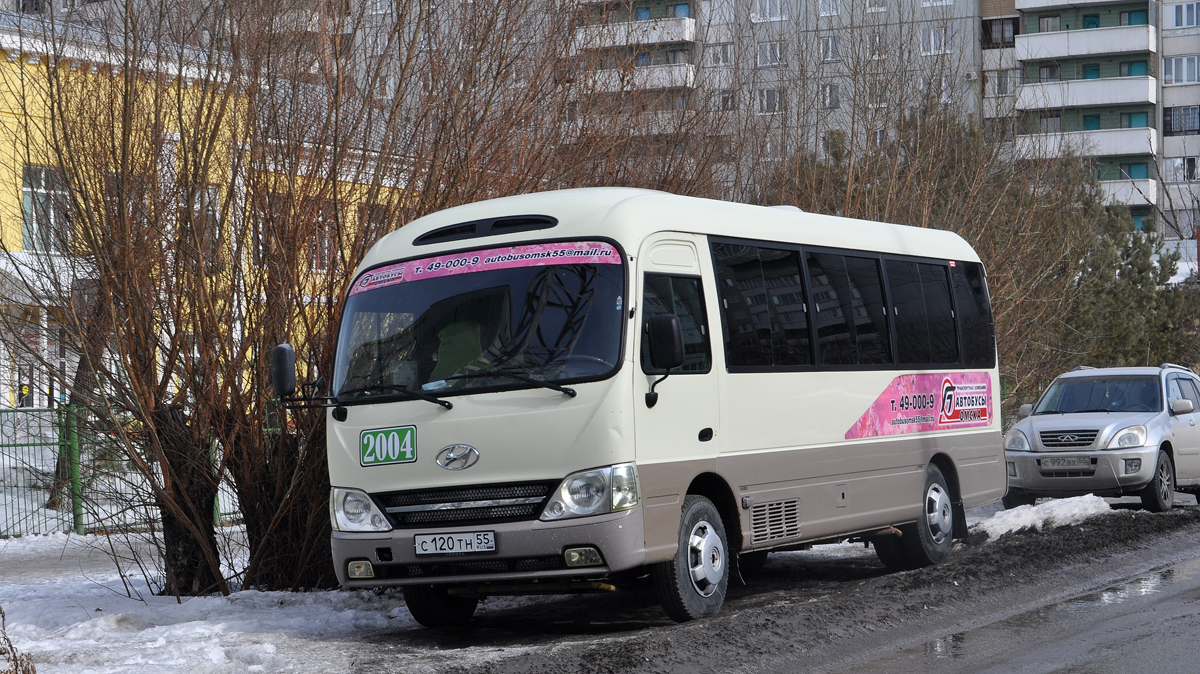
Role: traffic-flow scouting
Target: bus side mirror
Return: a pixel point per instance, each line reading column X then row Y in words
column 1025, row 411
column 665, row 333
column 283, row 370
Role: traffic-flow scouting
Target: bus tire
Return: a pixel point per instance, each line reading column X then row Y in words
column 434, row 606
column 927, row 542
column 693, row 585
column 890, row 550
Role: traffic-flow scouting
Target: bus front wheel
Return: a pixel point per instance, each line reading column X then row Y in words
column 434, row 606
column 692, row 585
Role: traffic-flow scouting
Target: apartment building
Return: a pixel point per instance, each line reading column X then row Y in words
column 1110, row 80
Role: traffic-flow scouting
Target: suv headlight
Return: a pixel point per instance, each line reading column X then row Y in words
column 595, row 492
column 353, row 510
column 1016, row 441
column 1134, row 436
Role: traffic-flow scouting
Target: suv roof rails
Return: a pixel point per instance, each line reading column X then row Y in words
column 1082, row 367
column 1173, row 366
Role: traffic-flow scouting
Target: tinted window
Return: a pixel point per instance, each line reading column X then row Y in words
column 849, row 314
column 912, row 323
column 681, row 296
column 747, row 322
column 1190, row 392
column 943, row 340
column 974, row 315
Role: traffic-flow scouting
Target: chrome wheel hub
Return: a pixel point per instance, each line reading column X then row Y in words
column 706, row 558
column 939, row 513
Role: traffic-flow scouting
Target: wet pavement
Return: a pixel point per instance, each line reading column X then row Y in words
column 1151, row 622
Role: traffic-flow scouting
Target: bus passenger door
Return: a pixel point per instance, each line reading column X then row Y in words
column 677, row 438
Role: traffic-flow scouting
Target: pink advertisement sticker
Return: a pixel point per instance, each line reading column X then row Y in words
column 916, row 403
column 535, row 255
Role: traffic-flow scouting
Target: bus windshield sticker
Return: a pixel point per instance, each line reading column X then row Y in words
column 917, row 403
column 535, row 255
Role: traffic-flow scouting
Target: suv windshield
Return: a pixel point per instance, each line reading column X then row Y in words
column 487, row 318
column 1101, row 394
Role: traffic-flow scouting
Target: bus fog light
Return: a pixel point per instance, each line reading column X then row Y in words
column 1132, row 466
column 582, row 557
column 1012, row 469
column 360, row 570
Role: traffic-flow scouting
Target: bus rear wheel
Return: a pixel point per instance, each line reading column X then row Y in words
column 693, row 585
column 927, row 541
column 434, row 606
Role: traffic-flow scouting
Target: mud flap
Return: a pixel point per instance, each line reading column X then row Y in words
column 960, row 520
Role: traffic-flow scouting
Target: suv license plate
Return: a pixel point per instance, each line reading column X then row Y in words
column 1067, row 462
column 455, row 544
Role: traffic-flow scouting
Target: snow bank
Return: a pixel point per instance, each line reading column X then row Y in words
column 1053, row 513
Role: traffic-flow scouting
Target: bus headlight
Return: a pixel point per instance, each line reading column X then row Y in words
column 595, row 492
column 1134, row 436
column 1016, row 441
column 353, row 510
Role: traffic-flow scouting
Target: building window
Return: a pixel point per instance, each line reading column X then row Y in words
column 876, row 5
column 322, row 216
column 642, row 59
column 1181, row 121
column 1091, row 122
column 203, row 221
column 1000, row 82
column 999, row 33
column 1134, row 120
column 879, row 44
column 1047, row 23
column 1136, row 171
column 643, row 14
column 1051, row 124
column 45, row 205
column 720, row 55
column 936, row 3
column 1049, row 73
column 937, row 40
column 831, row 96
column 29, row 6
column 940, row 87
column 879, row 94
column 770, row 101
column 1180, row 69
column 1140, row 17
column 1185, row 15
column 682, row 11
column 725, row 101
column 770, row 54
column 828, row 7
column 1134, row 69
column 829, row 49
column 878, row 139
column 1091, row 71
column 769, row 10
column 717, row 12
column 1180, row 169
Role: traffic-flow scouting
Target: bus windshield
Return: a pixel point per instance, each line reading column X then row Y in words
column 482, row 319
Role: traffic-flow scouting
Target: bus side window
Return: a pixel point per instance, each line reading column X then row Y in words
column 850, row 318
column 682, row 296
column 974, row 315
column 925, row 333
column 762, row 305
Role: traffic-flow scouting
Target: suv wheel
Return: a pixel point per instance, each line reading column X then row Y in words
column 1159, row 495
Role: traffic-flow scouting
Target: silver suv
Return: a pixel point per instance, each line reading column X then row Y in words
column 1112, row 432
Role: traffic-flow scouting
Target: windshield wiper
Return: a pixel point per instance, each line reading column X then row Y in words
column 516, row 375
column 396, row 388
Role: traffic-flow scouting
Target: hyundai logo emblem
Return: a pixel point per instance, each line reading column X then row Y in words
column 458, row 457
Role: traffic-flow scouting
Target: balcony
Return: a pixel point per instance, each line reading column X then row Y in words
column 1078, row 93
column 1038, row 5
column 672, row 76
column 1101, row 143
column 1130, row 192
column 633, row 33
column 1088, row 42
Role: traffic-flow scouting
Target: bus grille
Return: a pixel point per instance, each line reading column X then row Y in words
column 1065, row 439
column 484, row 504
column 775, row 520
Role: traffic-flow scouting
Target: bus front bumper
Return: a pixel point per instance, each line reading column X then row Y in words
column 525, row 551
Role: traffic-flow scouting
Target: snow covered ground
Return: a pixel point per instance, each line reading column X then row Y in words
column 73, row 612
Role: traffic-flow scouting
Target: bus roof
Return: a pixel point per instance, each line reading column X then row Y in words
column 628, row 215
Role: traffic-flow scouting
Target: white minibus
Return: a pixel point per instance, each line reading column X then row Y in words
column 570, row 391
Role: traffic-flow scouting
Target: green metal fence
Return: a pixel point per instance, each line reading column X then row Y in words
column 95, row 488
